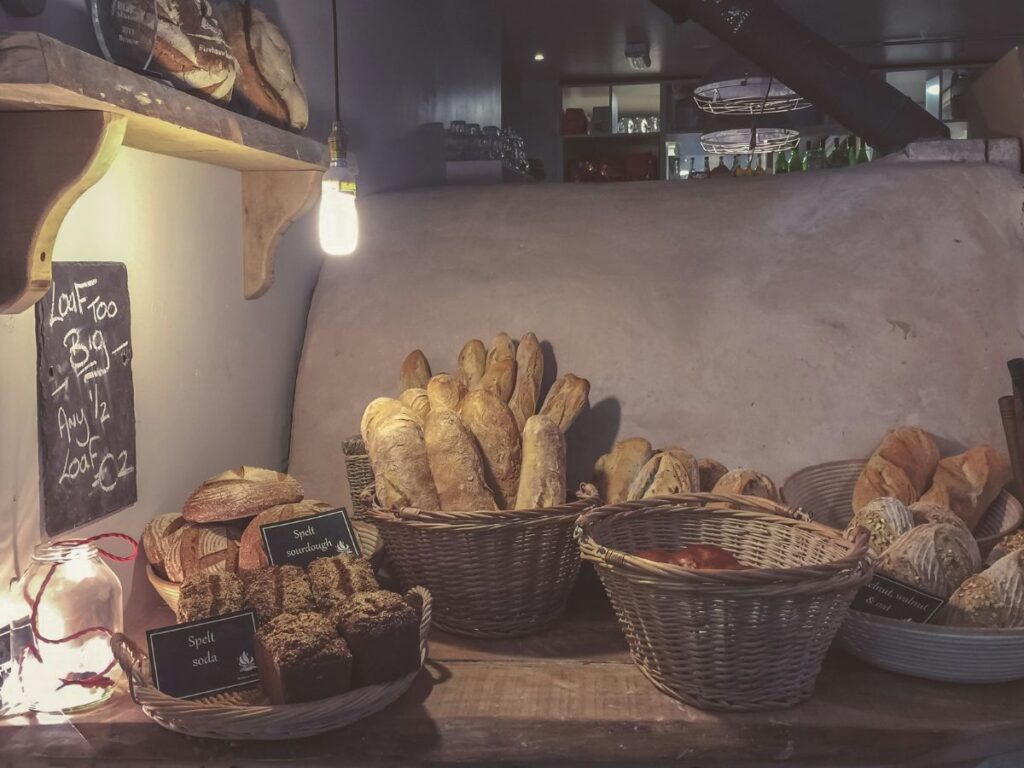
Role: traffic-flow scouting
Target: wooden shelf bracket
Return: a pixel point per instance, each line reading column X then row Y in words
column 47, row 160
column 271, row 201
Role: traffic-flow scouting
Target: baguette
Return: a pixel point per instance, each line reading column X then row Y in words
column 615, row 471
column 711, row 472
column 969, row 482
column 416, row 400
column 566, row 400
column 499, row 378
column 378, row 410
column 415, row 371
column 455, row 464
column 529, row 373
column 747, row 482
column 542, row 481
column 251, row 553
column 398, row 456
column 240, row 492
column 935, row 558
column 497, row 435
column 444, row 392
column 993, row 598
column 502, row 348
column 882, row 479
column 671, row 471
column 900, row 467
column 472, row 363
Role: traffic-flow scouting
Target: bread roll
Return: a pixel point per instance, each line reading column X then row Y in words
column 566, row 400
column 924, row 512
column 993, row 598
column 711, row 472
column 251, row 553
column 415, row 371
column 398, row 455
column 155, row 536
column 885, row 520
column 502, row 348
column 969, row 482
column 191, row 50
column 900, row 467
column 378, row 410
column 747, row 482
column 1012, row 542
column 240, row 492
column 935, row 558
column 207, row 548
column 529, row 373
column 417, row 401
column 444, row 392
column 499, row 378
column 542, row 481
column 671, row 471
column 472, row 363
column 497, row 435
column 455, row 464
column 614, row 472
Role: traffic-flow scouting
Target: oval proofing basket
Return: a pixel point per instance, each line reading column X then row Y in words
column 931, row 651
column 245, row 715
column 492, row 574
column 370, row 543
column 725, row 639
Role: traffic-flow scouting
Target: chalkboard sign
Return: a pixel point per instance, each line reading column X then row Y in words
column 86, row 396
column 300, row 542
column 883, row 596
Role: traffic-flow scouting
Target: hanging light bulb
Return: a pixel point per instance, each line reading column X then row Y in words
column 339, row 220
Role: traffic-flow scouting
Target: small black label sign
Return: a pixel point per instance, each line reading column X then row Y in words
column 300, row 542
column 893, row 599
column 205, row 657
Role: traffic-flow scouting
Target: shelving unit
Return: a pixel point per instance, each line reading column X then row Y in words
column 63, row 115
column 610, row 145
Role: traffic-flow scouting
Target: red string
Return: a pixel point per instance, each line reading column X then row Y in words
column 98, row 679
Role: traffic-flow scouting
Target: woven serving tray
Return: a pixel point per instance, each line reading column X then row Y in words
column 370, row 542
column 246, row 715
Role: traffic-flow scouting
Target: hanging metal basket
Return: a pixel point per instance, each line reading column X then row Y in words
column 738, row 141
column 748, row 96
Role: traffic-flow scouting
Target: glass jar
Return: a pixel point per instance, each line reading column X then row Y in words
column 72, row 602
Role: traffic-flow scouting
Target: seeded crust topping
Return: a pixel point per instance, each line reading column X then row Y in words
column 207, row 594
column 335, row 578
column 276, row 589
column 374, row 613
column 301, row 639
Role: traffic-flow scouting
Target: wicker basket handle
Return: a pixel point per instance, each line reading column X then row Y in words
column 418, row 596
column 131, row 659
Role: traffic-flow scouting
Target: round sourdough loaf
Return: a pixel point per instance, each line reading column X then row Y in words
column 935, row 558
column 251, row 553
column 239, row 493
column 156, row 535
column 710, row 472
column 747, row 482
column 993, row 598
column 190, row 48
column 207, row 548
column 885, row 519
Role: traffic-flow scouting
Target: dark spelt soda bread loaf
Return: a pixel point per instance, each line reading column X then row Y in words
column 335, row 579
column 301, row 658
column 206, row 595
column 274, row 590
column 382, row 630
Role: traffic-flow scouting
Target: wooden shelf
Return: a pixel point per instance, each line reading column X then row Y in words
column 47, row 92
column 635, row 137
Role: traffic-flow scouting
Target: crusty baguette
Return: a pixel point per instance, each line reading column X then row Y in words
column 444, row 392
column 416, row 400
column 910, row 450
column 566, row 400
column 747, row 482
column 542, row 481
column 502, row 348
column 455, row 464
column 251, row 553
column 415, row 371
column 208, row 548
column 671, row 471
column 155, row 536
column 240, row 492
column 398, row 455
column 529, row 373
column 935, row 558
column 711, row 472
column 969, row 482
column 472, row 363
column 614, row 471
column 499, row 378
column 378, row 410
column 497, row 435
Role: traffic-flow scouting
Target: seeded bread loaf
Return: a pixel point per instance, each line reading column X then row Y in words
column 615, row 471
column 1012, row 542
column 924, row 512
column 529, row 374
column 276, row 589
column 497, row 436
column 472, row 363
column 301, row 658
column 415, row 371
column 455, row 464
column 935, row 558
column 993, row 598
column 969, row 482
column 251, row 553
column 542, row 480
column 205, row 595
column 566, row 400
column 885, row 519
column 238, row 493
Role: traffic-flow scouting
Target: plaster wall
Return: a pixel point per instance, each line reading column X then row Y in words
column 772, row 322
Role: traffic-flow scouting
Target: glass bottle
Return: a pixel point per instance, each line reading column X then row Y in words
column 758, row 170
column 68, row 590
column 851, row 150
column 807, row 161
column 707, row 168
column 721, row 170
column 781, row 163
column 796, row 162
column 690, row 173
column 837, row 157
column 862, row 153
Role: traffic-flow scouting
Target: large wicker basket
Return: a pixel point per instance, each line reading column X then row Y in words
column 492, row 574
column 247, row 715
column 725, row 639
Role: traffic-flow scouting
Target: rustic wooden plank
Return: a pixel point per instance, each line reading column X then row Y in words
column 47, row 160
column 40, row 73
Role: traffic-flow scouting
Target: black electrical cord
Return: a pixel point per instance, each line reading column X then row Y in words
column 334, row 28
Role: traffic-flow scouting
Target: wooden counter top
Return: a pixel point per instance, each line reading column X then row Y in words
column 572, row 695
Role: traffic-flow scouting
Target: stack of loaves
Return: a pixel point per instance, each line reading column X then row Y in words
column 920, row 512
column 218, row 529
column 474, row 441
column 634, row 470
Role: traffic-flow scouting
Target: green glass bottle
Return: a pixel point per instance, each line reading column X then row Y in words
column 862, row 153
column 807, row 161
column 851, row 150
column 796, row 161
column 781, row 164
column 837, row 157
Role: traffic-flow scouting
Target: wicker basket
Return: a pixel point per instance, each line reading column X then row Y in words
column 725, row 639
column 492, row 574
column 246, row 715
column 825, row 492
column 369, row 542
column 360, row 474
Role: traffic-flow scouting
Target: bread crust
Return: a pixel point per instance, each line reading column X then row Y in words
column 494, row 427
column 396, row 446
column 415, row 371
column 251, row 554
column 969, row 482
column 455, row 464
column 747, row 482
column 542, row 481
column 241, row 492
column 568, row 397
column 529, row 374
column 472, row 363
column 615, row 471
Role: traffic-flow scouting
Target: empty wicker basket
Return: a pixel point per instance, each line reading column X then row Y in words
column 491, row 574
column 726, row 639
